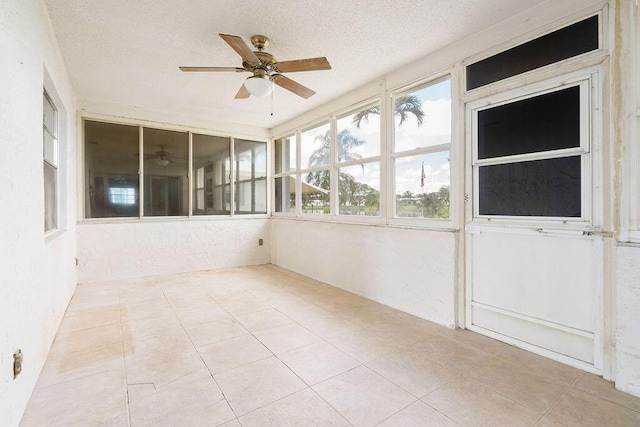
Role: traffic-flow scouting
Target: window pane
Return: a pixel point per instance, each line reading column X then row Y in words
column 315, row 192
column 315, row 147
column 166, row 185
column 285, row 189
column 210, row 174
column 50, row 203
column 251, row 176
column 359, row 187
column 122, row 195
column 423, row 117
column 567, row 42
column 49, row 115
column 542, row 123
column 358, row 134
column 285, row 152
column 422, row 186
column 50, row 148
column 111, row 161
column 549, row 188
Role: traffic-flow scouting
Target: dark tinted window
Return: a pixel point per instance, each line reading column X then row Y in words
column 567, row 42
column 549, row 187
column 542, row 123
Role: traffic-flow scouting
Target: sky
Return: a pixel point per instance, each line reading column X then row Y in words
column 435, row 130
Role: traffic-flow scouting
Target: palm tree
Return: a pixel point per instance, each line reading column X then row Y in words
column 405, row 106
column 322, row 155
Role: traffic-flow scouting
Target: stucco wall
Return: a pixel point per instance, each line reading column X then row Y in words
column 409, row 269
column 109, row 251
column 628, row 319
column 37, row 274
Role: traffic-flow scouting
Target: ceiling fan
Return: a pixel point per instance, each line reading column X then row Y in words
column 163, row 158
column 265, row 68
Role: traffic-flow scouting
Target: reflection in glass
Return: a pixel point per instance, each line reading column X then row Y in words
column 422, row 186
column 166, row 184
column 285, row 188
column 423, row 117
column 111, row 162
column 315, row 147
column 285, row 154
column 359, row 188
column 315, row 192
column 250, row 160
column 211, row 175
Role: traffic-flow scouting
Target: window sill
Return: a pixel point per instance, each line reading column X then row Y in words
column 430, row 225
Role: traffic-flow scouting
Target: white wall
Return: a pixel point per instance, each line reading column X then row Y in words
column 412, row 270
column 628, row 319
column 37, row 274
column 117, row 250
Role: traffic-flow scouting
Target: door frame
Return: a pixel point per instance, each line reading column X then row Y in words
column 589, row 226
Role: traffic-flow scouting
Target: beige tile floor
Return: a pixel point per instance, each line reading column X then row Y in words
column 262, row 346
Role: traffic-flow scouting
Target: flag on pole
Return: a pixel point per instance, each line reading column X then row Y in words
column 422, row 177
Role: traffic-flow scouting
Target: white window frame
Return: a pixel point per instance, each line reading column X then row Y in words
column 436, row 223
column 329, row 166
column 182, row 129
column 588, row 83
column 337, row 164
column 53, row 161
column 294, row 137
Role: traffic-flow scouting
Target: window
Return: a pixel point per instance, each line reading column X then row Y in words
column 122, row 195
column 358, row 155
column 179, row 173
column 529, row 155
column 315, row 157
column 251, row 177
column 422, row 141
column 111, row 164
column 50, row 157
column 285, row 178
column 211, row 175
column 567, row 42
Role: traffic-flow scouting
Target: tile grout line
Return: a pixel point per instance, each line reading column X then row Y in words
column 198, row 352
column 124, row 359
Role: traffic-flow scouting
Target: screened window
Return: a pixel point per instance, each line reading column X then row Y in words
column 50, row 163
column 564, row 43
column 111, row 170
column 211, row 175
column 421, row 159
column 167, row 177
column 251, row 177
column 529, row 155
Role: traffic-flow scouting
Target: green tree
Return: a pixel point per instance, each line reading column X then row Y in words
column 435, row 204
column 406, row 105
column 322, row 155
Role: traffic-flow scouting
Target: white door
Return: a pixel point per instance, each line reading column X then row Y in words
column 534, row 256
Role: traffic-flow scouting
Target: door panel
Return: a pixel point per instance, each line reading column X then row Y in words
column 550, row 278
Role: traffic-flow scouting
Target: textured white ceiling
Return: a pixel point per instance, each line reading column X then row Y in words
column 127, row 52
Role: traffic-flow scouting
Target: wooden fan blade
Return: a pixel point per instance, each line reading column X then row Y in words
column 205, row 69
column 241, row 48
column 295, row 87
column 242, row 93
column 309, row 64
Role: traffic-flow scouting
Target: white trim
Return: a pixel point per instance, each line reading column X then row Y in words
column 537, row 350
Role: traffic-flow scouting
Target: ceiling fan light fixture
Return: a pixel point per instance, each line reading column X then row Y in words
column 162, row 162
column 258, row 86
